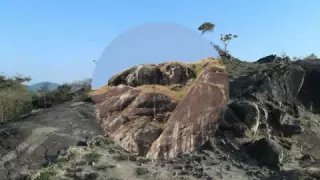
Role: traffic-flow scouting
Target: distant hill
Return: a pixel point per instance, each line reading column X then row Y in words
column 35, row 87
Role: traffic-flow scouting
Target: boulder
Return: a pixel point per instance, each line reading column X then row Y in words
column 248, row 112
column 266, row 151
column 133, row 118
column 121, row 77
column 273, row 59
column 233, row 123
column 196, row 117
column 137, row 135
column 176, row 73
column 163, row 74
column 145, row 74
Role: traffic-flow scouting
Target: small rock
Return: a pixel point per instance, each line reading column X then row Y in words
column 307, row 157
column 132, row 158
column 288, row 130
column 183, row 172
column 212, row 162
column 141, row 171
column 188, row 166
column 89, row 176
column 179, row 167
column 142, row 159
column 199, row 169
column 23, row 177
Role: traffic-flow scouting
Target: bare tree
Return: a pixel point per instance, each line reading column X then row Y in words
column 226, row 38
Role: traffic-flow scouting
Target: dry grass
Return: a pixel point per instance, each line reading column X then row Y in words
column 157, row 124
column 166, row 90
column 208, row 62
column 99, row 91
column 14, row 102
column 196, row 66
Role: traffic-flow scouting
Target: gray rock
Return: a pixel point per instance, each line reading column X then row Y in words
column 265, row 151
column 247, row 112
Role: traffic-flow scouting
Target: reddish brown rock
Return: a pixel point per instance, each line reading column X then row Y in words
column 162, row 74
column 196, row 117
column 150, row 120
column 137, row 136
column 128, row 115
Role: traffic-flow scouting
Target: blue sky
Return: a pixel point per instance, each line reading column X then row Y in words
column 57, row 40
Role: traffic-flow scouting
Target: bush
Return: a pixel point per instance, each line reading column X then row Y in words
column 15, row 100
column 77, row 91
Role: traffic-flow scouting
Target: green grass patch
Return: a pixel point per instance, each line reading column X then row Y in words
column 92, row 156
column 47, row 174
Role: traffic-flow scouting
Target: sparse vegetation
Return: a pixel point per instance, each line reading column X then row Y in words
column 77, row 91
column 176, row 95
column 157, row 124
column 312, row 56
column 99, row 91
column 92, row 156
column 15, row 100
column 226, row 38
column 46, row 174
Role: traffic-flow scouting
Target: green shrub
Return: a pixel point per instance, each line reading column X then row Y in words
column 15, row 99
column 64, row 93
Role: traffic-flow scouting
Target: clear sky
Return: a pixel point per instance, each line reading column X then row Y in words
column 56, row 40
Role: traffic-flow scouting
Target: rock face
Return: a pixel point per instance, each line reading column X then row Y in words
column 147, row 118
column 248, row 113
column 279, row 90
column 309, row 92
column 131, row 116
column 274, row 59
column 196, row 117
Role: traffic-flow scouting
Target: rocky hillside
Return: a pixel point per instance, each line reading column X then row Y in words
column 204, row 120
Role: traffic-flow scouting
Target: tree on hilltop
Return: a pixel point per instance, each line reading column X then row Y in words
column 226, row 38
column 312, row 56
column 206, row 27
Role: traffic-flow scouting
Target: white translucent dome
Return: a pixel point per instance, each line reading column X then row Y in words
column 151, row 43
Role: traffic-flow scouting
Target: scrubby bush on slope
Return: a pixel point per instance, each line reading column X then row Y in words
column 76, row 91
column 15, row 100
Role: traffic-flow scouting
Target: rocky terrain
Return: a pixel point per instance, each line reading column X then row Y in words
column 212, row 119
column 36, row 141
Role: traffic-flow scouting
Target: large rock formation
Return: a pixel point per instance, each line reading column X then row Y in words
column 196, row 117
column 146, row 112
column 162, row 111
